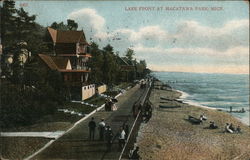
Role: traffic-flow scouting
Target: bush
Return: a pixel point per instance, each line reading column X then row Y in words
column 21, row 107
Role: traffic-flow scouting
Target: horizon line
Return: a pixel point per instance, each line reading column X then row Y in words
column 201, row 72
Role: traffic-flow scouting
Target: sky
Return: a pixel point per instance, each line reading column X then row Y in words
column 191, row 36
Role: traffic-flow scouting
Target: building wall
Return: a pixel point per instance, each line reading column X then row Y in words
column 102, row 89
column 88, row 91
column 65, row 48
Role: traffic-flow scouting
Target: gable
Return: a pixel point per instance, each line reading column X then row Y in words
column 59, row 36
column 56, row 63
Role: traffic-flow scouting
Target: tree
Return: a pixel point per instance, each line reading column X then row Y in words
column 29, row 31
column 129, row 54
column 110, row 66
column 8, row 27
column 143, row 63
column 59, row 26
column 25, row 24
column 108, row 49
column 24, row 107
column 71, row 25
column 96, row 64
column 17, row 26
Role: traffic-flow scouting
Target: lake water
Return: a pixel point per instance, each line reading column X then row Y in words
column 218, row 91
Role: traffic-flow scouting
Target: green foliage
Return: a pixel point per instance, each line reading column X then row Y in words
column 59, row 26
column 106, row 69
column 71, row 25
column 103, row 64
column 21, row 107
column 143, row 63
column 109, row 68
column 18, row 26
column 108, row 49
column 96, row 63
column 129, row 54
column 7, row 22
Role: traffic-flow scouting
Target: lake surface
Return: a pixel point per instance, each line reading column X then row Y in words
column 218, row 91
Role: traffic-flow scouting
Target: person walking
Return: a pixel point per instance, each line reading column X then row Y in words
column 101, row 129
column 126, row 129
column 92, row 126
column 109, row 138
column 122, row 135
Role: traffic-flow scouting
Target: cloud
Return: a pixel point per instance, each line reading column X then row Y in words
column 227, row 28
column 89, row 20
column 190, row 34
column 191, row 46
column 232, row 33
column 150, row 33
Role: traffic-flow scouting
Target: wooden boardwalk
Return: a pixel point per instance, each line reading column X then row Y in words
column 76, row 145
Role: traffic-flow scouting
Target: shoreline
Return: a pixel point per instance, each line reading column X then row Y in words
column 190, row 102
column 169, row 135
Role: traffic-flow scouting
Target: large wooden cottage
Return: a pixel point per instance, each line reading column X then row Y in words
column 69, row 56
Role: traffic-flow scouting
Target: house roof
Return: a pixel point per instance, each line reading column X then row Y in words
column 127, row 61
column 126, row 64
column 54, row 63
column 121, row 61
column 49, row 61
column 74, row 55
column 57, row 63
column 59, row 36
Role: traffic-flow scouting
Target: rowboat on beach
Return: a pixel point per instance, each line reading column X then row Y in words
column 194, row 120
column 171, row 99
column 163, row 106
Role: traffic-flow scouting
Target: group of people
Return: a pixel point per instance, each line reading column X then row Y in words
column 92, row 128
column 110, row 104
column 242, row 110
column 229, row 128
column 147, row 113
column 106, row 133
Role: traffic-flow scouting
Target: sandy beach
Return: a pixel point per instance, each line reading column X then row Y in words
column 170, row 136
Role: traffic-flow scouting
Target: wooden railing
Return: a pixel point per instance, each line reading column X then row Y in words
column 135, row 127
